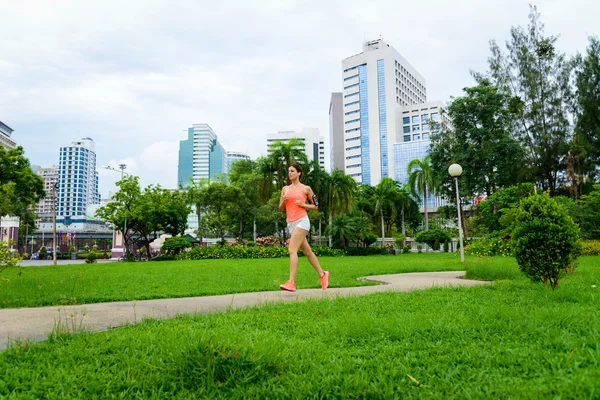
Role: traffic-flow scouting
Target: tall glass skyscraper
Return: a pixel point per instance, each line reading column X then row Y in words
column 417, row 123
column 375, row 83
column 77, row 185
column 201, row 156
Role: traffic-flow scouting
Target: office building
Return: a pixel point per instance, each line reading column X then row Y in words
column 44, row 207
column 314, row 144
column 336, row 131
column 201, row 156
column 375, row 83
column 417, row 123
column 5, row 140
column 233, row 156
column 77, row 188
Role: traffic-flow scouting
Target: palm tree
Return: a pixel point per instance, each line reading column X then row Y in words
column 402, row 201
column 421, row 180
column 265, row 185
column 340, row 193
column 384, row 194
column 343, row 227
column 283, row 154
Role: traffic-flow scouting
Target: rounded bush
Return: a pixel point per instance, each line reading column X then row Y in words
column 545, row 238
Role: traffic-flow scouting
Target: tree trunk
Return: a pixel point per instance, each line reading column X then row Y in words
column 425, row 208
column 403, row 226
column 382, row 231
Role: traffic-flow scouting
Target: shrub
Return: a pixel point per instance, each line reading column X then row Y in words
column 25, row 256
column 436, row 245
column 268, row 241
column 546, row 240
column 163, row 258
column 43, row 252
column 399, row 240
column 91, row 257
column 490, row 246
column 175, row 245
column 430, row 236
column 71, row 249
column 590, row 247
column 446, row 246
column 419, row 248
column 407, row 249
column 369, row 238
column 366, row 251
column 8, row 258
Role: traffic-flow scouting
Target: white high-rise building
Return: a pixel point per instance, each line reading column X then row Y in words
column 233, row 156
column 314, row 144
column 375, row 83
column 77, row 186
column 5, row 139
column 50, row 177
column 336, row 131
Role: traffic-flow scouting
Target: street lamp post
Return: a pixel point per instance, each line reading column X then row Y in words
column 455, row 170
column 122, row 168
column 54, row 188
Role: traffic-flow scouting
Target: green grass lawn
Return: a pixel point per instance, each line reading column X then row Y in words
column 95, row 283
column 512, row 339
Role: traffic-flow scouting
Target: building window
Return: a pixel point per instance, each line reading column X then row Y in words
column 426, row 136
column 406, row 120
column 425, row 127
column 415, row 119
column 435, row 116
column 417, row 137
column 407, row 138
column 406, row 128
column 416, row 128
column 424, row 117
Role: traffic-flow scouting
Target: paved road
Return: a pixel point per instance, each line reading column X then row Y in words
column 36, row 323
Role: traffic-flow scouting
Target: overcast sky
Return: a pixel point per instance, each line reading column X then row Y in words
column 135, row 74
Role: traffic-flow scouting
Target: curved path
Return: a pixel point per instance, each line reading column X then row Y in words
column 38, row 322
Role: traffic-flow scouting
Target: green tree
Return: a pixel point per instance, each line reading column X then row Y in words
column 266, row 186
column 384, row 194
column 343, row 228
column 536, row 77
column 590, row 215
column 20, row 188
column 220, row 198
column 283, row 154
column 586, row 154
column 176, row 213
column 122, row 207
column 421, row 181
column 480, row 139
column 175, row 245
column 546, row 240
column 195, row 195
column 244, row 175
column 491, row 210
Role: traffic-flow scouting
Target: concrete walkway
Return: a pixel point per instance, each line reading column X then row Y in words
column 36, row 323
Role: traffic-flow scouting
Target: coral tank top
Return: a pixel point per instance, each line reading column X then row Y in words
column 293, row 211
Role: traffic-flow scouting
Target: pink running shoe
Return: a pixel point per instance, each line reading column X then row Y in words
column 324, row 280
column 289, row 286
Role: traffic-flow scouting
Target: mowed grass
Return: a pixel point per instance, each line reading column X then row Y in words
column 512, row 339
column 96, row 283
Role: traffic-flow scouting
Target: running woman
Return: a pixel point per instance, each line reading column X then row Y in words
column 294, row 200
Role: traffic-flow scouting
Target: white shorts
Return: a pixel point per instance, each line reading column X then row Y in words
column 302, row 223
